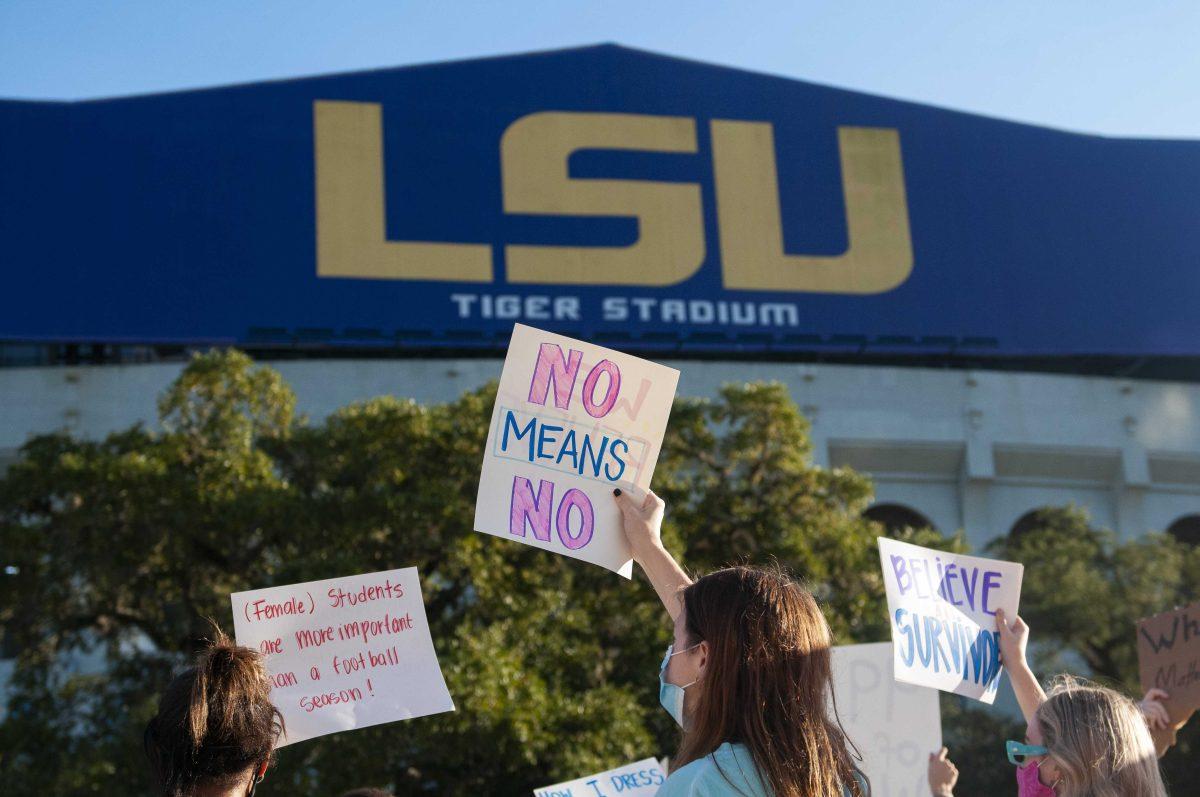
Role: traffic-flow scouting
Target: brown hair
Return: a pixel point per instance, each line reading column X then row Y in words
column 767, row 682
column 215, row 721
column 1099, row 741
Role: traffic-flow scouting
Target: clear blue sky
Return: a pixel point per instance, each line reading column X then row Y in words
column 1120, row 68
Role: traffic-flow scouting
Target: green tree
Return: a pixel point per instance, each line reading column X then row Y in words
column 125, row 546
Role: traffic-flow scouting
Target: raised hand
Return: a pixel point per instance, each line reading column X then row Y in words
column 642, row 522
column 1154, row 711
column 942, row 774
column 1013, row 639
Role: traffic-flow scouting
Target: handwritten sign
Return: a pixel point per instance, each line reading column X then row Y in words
column 344, row 653
column 572, row 422
column 895, row 726
column 1169, row 658
column 942, row 608
column 640, row 779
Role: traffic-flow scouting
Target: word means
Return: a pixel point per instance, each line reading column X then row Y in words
column 584, row 455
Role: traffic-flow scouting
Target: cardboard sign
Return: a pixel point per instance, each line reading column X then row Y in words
column 1168, row 646
column 942, row 607
column 572, row 422
column 344, row 653
column 894, row 726
column 640, row 779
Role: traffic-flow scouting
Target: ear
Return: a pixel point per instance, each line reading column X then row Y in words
column 261, row 772
column 703, row 650
column 1049, row 772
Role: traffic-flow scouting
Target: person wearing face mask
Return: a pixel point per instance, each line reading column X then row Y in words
column 1081, row 740
column 216, row 728
column 747, row 678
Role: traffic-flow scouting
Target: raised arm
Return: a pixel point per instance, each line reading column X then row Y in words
column 1013, row 641
column 642, row 522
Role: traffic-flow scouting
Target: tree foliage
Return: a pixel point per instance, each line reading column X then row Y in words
column 124, row 548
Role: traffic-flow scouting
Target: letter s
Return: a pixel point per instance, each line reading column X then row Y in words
column 534, row 152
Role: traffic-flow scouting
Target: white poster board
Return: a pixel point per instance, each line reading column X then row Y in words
column 942, row 609
column 895, row 726
column 344, row 653
column 572, row 422
column 640, row 779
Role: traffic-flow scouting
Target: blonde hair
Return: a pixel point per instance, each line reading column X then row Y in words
column 1100, row 741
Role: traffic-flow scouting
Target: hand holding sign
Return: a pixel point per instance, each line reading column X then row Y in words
column 344, row 653
column 942, row 608
column 1169, row 665
column 572, row 422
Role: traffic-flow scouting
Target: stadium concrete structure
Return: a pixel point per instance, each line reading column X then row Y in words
column 986, row 317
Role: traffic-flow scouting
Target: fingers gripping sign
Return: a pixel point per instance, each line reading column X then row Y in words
column 641, row 520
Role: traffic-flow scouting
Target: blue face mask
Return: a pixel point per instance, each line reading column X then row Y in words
column 670, row 695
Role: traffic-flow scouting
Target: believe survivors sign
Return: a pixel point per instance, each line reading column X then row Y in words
column 344, row 653
column 572, row 422
column 942, row 608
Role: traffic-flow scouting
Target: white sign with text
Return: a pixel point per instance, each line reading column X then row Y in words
column 640, row 779
column 344, row 653
column 572, row 422
column 942, row 609
column 895, row 726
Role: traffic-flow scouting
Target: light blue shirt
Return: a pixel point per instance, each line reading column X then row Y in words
column 729, row 771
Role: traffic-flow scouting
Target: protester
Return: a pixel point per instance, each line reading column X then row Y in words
column 747, row 677
column 216, row 727
column 1081, row 740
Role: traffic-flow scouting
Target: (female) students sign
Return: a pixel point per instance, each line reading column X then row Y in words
column 572, row 422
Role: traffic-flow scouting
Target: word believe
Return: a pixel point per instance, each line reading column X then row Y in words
column 955, row 584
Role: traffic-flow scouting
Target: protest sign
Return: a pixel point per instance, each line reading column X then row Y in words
column 895, row 726
column 572, row 422
column 344, row 653
column 1168, row 646
column 641, row 779
column 942, row 609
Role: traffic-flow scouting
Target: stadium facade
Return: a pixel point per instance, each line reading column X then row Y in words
column 987, row 317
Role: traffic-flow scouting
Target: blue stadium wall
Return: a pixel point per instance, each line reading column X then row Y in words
column 605, row 192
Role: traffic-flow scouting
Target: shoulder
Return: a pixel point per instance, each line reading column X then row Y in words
column 726, row 771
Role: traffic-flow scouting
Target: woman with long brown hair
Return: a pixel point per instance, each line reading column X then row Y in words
column 216, row 728
column 748, row 677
